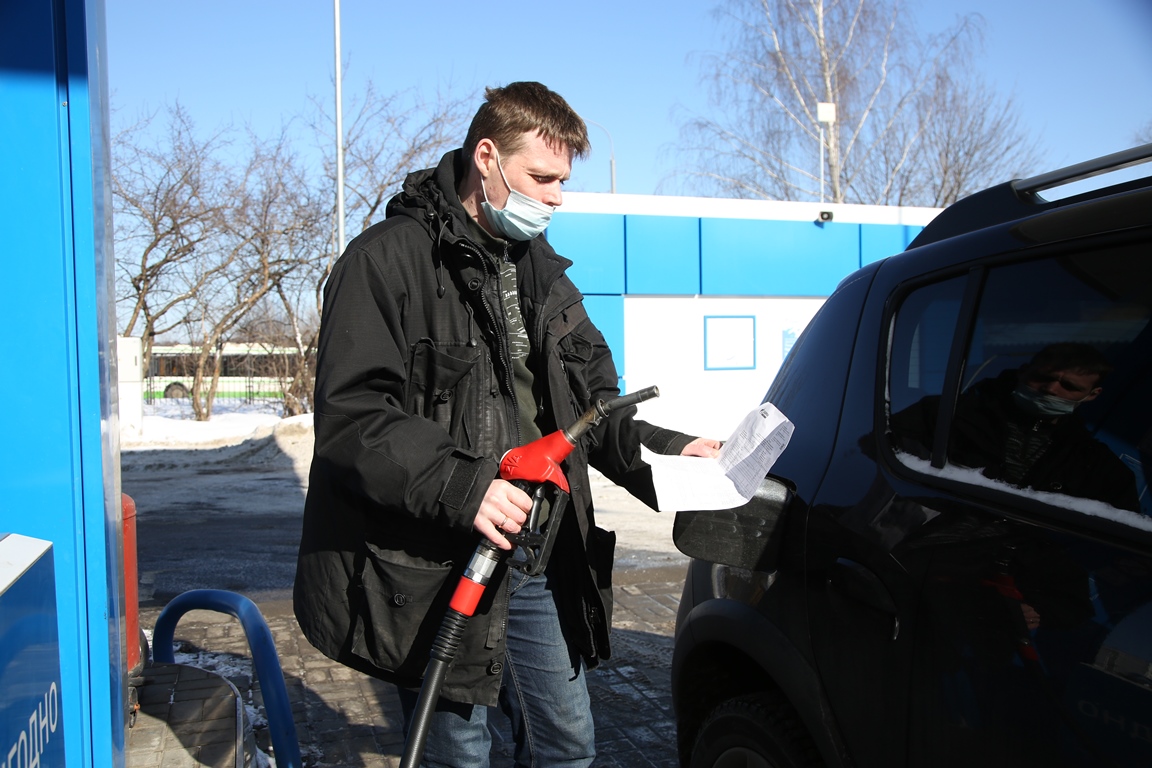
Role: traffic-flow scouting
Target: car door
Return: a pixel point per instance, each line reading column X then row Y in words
column 980, row 595
column 861, row 599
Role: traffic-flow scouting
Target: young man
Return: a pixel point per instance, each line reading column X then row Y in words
column 450, row 335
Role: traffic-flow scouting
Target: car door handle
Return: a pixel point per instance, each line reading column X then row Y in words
column 853, row 580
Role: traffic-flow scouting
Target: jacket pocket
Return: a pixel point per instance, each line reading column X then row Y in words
column 403, row 601
column 575, row 353
column 603, row 556
column 438, row 386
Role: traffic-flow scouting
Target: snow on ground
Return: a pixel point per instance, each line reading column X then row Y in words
column 169, row 423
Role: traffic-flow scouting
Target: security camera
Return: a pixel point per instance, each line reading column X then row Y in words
column 825, row 215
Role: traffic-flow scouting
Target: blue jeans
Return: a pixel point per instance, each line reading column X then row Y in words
column 543, row 692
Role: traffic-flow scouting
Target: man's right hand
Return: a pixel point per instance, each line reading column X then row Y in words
column 505, row 508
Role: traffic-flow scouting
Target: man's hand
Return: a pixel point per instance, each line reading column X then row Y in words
column 505, row 508
column 702, row 446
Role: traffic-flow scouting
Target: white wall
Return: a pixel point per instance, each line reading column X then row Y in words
column 130, row 384
column 664, row 345
column 726, row 208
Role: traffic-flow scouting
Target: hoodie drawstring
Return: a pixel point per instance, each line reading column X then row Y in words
column 439, row 256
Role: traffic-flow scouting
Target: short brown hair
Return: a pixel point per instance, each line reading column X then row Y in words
column 1072, row 356
column 518, row 108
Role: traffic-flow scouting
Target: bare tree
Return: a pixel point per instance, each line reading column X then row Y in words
column 275, row 226
column 219, row 239
column 169, row 200
column 286, row 325
column 387, row 137
column 907, row 130
column 301, row 305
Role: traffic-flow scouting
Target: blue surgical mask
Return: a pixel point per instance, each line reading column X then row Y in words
column 1038, row 403
column 522, row 218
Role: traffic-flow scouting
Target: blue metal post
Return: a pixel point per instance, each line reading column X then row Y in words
column 59, row 479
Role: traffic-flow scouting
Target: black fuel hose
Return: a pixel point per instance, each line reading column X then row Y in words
column 467, row 596
column 443, row 652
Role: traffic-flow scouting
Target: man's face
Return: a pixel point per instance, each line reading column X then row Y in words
column 1068, row 385
column 536, row 170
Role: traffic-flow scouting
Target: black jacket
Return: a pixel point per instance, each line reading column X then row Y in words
column 414, row 407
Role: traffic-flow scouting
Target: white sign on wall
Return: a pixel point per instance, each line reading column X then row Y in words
column 729, row 343
column 712, row 357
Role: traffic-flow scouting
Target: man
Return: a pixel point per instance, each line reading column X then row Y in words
column 450, row 335
column 1021, row 428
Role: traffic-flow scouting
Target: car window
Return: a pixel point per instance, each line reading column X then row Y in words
column 921, row 340
column 1053, row 397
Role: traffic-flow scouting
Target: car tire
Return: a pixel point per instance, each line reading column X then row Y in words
column 175, row 390
column 760, row 730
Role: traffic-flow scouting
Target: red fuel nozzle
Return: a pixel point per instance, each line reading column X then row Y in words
column 539, row 461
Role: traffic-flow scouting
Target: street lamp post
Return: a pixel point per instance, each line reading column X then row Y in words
column 825, row 115
column 339, row 138
column 611, row 154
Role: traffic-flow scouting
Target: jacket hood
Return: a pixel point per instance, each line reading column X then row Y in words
column 429, row 197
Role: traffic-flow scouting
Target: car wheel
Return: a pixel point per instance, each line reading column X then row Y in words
column 757, row 731
column 175, row 390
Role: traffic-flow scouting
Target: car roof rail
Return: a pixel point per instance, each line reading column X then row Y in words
column 1086, row 170
column 1015, row 200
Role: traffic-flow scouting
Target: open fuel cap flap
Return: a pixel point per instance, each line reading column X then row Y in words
column 747, row 536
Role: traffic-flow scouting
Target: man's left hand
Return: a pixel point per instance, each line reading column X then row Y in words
column 702, row 446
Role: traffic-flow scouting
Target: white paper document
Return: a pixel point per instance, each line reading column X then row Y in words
column 731, row 479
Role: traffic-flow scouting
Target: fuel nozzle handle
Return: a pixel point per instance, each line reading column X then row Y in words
column 539, row 460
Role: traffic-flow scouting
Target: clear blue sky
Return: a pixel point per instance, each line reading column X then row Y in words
column 1081, row 71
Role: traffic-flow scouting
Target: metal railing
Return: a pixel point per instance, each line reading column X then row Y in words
column 281, row 727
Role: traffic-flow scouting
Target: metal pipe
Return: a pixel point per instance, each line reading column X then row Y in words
column 611, row 154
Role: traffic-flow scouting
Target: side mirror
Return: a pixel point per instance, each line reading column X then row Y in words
column 743, row 537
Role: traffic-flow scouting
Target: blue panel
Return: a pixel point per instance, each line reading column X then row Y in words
column 37, row 469
column 607, row 313
column 58, row 477
column 879, row 241
column 775, row 258
column 663, row 254
column 595, row 243
column 31, row 718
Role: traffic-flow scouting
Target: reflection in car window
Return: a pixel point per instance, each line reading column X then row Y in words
column 1054, row 393
column 921, row 339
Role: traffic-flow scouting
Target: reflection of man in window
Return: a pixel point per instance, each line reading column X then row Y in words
column 1021, row 428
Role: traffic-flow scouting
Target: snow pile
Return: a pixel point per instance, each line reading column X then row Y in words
column 238, row 434
column 169, row 423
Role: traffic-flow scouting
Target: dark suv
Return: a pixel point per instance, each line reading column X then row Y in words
column 951, row 563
